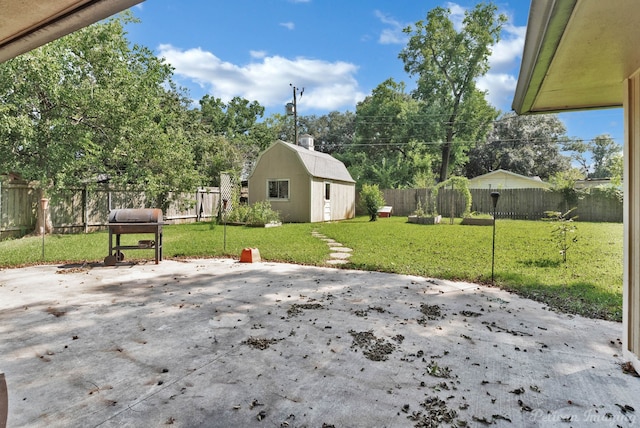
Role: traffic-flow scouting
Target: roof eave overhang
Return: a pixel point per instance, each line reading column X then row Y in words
column 548, row 20
column 86, row 13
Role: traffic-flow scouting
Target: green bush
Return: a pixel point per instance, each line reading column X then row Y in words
column 238, row 214
column 257, row 214
column 611, row 192
column 461, row 184
column 419, row 212
column 261, row 213
column 371, row 199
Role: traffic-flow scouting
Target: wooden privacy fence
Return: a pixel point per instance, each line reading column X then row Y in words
column 82, row 210
column 517, row 204
column 17, row 209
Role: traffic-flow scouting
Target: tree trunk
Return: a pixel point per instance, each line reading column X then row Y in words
column 446, row 148
column 444, row 167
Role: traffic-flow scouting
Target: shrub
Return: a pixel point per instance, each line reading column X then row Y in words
column 238, row 214
column 430, row 207
column 261, row 213
column 461, row 184
column 611, row 192
column 371, row 199
column 257, row 214
column 432, row 202
column 419, row 212
column 564, row 183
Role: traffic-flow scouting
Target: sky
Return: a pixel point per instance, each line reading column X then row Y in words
column 338, row 51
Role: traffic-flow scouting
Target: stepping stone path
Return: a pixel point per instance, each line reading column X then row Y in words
column 339, row 253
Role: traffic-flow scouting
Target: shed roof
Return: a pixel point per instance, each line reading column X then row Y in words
column 317, row 164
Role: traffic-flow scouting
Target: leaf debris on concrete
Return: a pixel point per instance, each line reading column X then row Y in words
column 297, row 308
column 260, row 343
column 374, row 348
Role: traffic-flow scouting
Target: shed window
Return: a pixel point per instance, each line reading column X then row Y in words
column 278, row 189
column 327, row 191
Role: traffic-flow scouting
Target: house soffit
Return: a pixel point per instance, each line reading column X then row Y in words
column 28, row 24
column 577, row 54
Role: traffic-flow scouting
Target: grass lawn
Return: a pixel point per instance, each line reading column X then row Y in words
column 527, row 261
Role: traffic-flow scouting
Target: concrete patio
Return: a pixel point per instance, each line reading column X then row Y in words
column 217, row 343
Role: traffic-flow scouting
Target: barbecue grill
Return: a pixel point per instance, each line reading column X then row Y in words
column 129, row 221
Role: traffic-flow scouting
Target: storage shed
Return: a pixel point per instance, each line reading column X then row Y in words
column 304, row 185
column 501, row 179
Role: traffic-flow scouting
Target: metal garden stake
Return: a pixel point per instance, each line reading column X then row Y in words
column 494, row 196
column 224, row 214
column 44, row 203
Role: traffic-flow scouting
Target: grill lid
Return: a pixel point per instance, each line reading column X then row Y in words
column 142, row 215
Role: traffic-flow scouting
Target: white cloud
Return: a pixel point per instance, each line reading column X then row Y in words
column 507, row 53
column 328, row 85
column 457, row 14
column 504, row 62
column 390, row 36
column 288, row 25
column 258, row 54
column 500, row 88
column 393, row 34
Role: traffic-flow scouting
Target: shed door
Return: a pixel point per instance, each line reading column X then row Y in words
column 327, row 201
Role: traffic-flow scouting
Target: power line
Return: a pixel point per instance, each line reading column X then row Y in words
column 387, row 141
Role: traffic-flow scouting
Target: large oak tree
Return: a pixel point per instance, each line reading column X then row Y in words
column 91, row 106
column 447, row 61
column 527, row 145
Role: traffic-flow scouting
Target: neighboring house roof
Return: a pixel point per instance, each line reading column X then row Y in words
column 503, row 177
column 577, row 54
column 317, row 164
column 28, row 24
column 592, row 182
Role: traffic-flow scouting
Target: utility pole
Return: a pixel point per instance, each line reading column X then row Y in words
column 295, row 111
